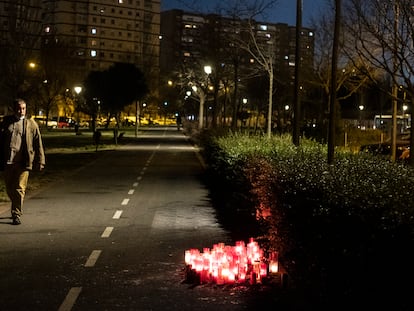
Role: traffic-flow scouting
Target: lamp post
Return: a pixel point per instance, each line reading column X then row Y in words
column 203, row 96
column 296, row 107
column 361, row 109
column 78, row 90
column 207, row 70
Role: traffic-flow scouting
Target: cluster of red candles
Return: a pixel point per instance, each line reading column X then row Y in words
column 231, row 264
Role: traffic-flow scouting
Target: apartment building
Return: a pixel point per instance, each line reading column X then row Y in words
column 20, row 30
column 189, row 37
column 96, row 33
column 102, row 32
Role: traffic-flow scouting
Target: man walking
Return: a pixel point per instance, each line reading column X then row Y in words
column 21, row 150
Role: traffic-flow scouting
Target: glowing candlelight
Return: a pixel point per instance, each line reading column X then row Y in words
column 274, row 263
column 229, row 264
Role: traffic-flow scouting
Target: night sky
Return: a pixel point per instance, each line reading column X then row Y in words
column 283, row 12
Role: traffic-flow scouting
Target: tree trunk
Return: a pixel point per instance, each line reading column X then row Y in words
column 332, row 100
column 270, row 108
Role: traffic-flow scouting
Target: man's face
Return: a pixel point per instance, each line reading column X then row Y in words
column 20, row 109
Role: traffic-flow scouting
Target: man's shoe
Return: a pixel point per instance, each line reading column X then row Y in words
column 16, row 221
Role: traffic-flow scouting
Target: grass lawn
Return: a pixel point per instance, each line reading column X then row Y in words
column 65, row 152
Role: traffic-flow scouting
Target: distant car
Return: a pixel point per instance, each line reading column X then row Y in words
column 64, row 122
column 384, row 148
column 41, row 121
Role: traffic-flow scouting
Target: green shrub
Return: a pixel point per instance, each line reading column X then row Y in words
column 329, row 222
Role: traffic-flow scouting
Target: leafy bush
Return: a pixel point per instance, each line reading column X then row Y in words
column 334, row 225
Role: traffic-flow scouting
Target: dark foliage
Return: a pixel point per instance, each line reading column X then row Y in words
column 344, row 231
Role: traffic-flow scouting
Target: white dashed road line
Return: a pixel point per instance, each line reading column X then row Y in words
column 117, row 215
column 70, row 299
column 74, row 292
column 107, row 232
column 93, row 257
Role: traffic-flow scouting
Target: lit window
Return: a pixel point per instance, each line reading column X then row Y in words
column 93, row 31
column 93, row 42
column 120, row 1
column 93, row 53
column 263, row 27
column 47, row 29
column 310, row 34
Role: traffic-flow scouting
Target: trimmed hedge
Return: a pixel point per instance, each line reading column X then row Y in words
column 344, row 231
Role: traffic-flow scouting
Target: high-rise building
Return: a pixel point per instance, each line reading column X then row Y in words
column 20, row 30
column 188, row 37
column 95, row 33
column 102, row 32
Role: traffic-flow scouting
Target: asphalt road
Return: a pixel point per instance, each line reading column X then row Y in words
column 112, row 235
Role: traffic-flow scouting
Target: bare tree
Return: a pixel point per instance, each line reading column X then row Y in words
column 195, row 80
column 352, row 74
column 228, row 57
column 255, row 42
column 334, row 67
column 51, row 78
column 383, row 37
column 19, row 45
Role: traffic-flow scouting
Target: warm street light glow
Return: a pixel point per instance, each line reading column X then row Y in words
column 170, row 82
column 361, row 107
column 32, row 65
column 78, row 89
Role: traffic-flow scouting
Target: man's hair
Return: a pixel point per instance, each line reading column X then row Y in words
column 17, row 101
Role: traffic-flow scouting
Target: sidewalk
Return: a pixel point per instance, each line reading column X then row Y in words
column 142, row 265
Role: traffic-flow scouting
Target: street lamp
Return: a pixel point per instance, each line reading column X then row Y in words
column 405, row 107
column 361, row 109
column 207, row 69
column 78, row 90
